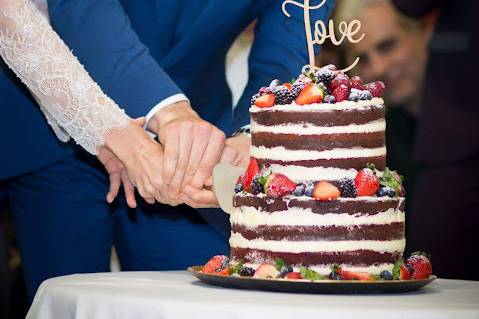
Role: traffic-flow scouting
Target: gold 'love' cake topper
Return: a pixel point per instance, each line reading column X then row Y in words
column 321, row 33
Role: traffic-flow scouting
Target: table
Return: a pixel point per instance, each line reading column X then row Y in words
column 177, row 294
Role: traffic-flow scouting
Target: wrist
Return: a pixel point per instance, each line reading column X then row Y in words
column 170, row 113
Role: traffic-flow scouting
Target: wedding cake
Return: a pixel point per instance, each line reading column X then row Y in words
column 317, row 192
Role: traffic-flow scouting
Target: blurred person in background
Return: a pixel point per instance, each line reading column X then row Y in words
column 394, row 50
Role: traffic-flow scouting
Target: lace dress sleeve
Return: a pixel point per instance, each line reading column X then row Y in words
column 70, row 99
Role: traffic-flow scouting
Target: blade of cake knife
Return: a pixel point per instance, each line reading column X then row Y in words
column 224, row 180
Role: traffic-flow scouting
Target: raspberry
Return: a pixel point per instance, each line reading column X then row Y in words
column 357, row 83
column 256, row 186
column 340, row 79
column 376, row 88
column 283, row 95
column 347, row 187
column 341, row 93
column 324, row 75
column 296, row 88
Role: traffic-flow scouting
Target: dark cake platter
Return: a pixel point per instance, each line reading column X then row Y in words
column 311, row 287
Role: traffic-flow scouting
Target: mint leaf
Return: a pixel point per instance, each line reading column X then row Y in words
column 397, row 268
column 279, row 263
column 371, row 166
column 237, row 268
column 310, row 274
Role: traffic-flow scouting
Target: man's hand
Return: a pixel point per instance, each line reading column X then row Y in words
column 237, row 153
column 192, row 147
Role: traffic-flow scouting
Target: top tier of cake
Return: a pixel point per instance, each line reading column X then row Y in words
column 319, row 141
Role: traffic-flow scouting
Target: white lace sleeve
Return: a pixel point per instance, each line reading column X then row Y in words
column 67, row 94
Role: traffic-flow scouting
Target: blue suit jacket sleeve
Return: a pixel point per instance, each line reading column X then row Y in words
column 279, row 50
column 99, row 34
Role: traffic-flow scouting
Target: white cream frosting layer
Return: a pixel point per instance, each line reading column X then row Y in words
column 311, row 129
column 283, row 154
column 321, row 107
column 386, row 246
column 326, row 269
column 251, row 218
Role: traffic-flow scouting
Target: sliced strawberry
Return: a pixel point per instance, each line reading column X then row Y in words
column 288, row 85
column 340, row 79
column 251, row 172
column 341, row 93
column 421, row 266
column 279, row 185
column 310, row 94
column 266, row 271
column 266, row 100
column 224, row 272
column 325, row 191
column 349, row 275
column 293, row 275
column 404, row 272
column 366, row 182
column 215, row 264
column 375, row 88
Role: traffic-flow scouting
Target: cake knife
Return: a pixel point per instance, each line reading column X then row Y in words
column 224, row 180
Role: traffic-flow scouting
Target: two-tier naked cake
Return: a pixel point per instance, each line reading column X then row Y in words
column 317, row 192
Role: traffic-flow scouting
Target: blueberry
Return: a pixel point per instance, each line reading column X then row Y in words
column 329, row 99
column 353, row 90
column 284, row 270
column 309, row 189
column 386, row 191
column 365, row 95
column 238, row 188
column 386, row 275
column 334, row 276
column 353, row 97
column 299, row 190
column 247, row 272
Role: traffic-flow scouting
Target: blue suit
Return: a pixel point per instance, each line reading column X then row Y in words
column 140, row 52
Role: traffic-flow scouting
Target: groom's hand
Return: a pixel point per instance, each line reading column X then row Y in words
column 192, row 146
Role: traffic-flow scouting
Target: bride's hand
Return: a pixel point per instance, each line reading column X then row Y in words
column 142, row 158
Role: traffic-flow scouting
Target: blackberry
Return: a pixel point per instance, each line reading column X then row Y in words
column 347, row 187
column 283, row 95
column 256, row 186
column 247, row 272
column 254, row 97
column 386, row 275
column 296, row 88
column 324, row 75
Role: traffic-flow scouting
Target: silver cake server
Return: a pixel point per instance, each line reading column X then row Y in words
column 224, row 180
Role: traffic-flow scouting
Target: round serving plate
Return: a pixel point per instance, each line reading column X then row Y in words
column 313, row 287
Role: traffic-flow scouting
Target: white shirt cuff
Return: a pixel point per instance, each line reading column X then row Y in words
column 170, row 100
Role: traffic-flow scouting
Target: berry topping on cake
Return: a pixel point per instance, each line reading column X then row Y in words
column 324, row 75
column 341, row 93
column 283, row 95
column 216, row 264
column 365, row 95
column 274, row 84
column 347, row 187
column 366, row 182
column 325, row 191
column 421, row 265
column 251, row 172
column 386, row 275
column 340, row 79
column 356, row 83
column 279, row 185
column 392, row 180
column 266, row 271
column 293, row 275
column 311, row 93
column 353, row 96
column 405, row 272
column 299, row 190
column 376, row 88
column 308, row 191
column 246, row 271
column 238, row 185
column 266, row 100
column 256, row 186
column 329, row 99
column 265, row 90
column 350, row 275
column 386, row 191
column 296, row 88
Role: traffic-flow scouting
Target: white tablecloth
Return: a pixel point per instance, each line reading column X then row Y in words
column 177, row 294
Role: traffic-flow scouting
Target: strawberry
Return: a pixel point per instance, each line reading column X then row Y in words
column 293, row 275
column 421, row 266
column 251, row 172
column 266, row 271
column 279, row 185
column 310, row 94
column 341, row 93
column 366, row 182
column 288, row 85
column 350, row 275
column 376, row 88
column 224, row 272
column 216, row 264
column 405, row 273
column 340, row 78
column 266, row 100
column 356, row 83
column 325, row 191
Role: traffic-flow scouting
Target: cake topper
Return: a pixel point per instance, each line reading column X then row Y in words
column 321, row 33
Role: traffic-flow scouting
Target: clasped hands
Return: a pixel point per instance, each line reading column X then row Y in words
column 179, row 169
